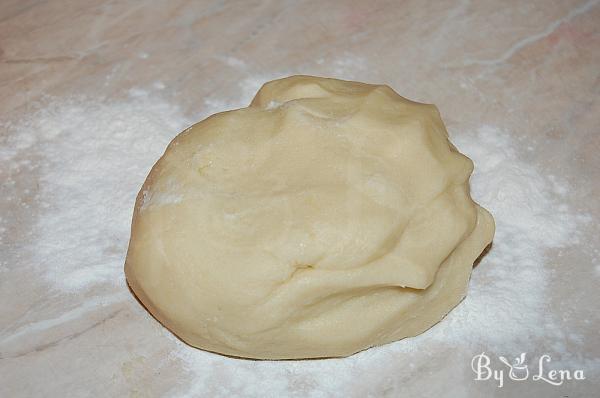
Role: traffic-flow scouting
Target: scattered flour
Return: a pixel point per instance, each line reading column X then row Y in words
column 93, row 157
column 95, row 154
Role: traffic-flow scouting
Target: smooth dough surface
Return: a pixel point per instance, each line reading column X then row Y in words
column 327, row 217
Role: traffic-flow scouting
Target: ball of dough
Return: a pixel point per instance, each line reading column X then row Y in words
column 327, row 217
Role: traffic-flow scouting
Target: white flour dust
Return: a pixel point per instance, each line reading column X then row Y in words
column 93, row 156
column 508, row 291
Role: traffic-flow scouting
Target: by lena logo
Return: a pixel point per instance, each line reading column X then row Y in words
column 518, row 370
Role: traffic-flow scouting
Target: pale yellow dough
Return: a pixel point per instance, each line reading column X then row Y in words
column 327, row 217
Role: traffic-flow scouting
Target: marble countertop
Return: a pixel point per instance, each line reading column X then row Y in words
column 529, row 70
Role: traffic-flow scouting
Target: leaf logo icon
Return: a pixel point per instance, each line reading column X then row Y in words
column 518, row 370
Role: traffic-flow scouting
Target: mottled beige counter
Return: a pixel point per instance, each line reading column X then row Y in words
column 519, row 81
